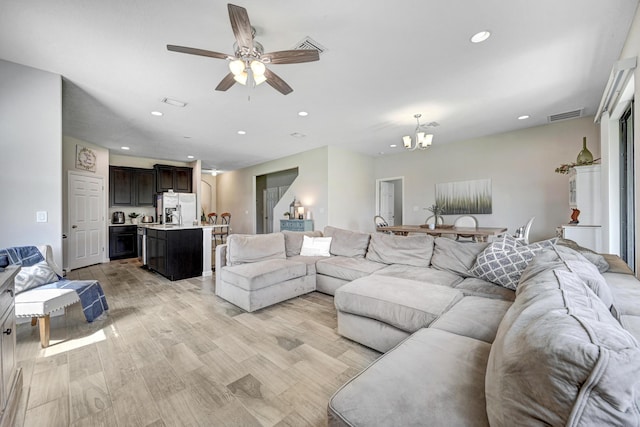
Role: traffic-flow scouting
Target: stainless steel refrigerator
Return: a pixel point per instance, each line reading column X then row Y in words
column 176, row 208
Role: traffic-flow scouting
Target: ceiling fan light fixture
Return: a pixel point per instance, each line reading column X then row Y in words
column 258, row 68
column 241, row 78
column 237, row 67
column 259, row 78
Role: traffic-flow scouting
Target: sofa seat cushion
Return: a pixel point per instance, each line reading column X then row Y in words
column 626, row 292
column 474, row 317
column 561, row 358
column 631, row 324
column 433, row 378
column 427, row 275
column 309, row 261
column 258, row 275
column 481, row 288
column 405, row 304
column 346, row 268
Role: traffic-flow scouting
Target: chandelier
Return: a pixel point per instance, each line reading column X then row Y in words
column 422, row 140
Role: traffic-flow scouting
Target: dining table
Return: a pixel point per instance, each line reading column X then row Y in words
column 481, row 234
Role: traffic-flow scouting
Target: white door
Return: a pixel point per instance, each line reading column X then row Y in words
column 387, row 200
column 86, row 220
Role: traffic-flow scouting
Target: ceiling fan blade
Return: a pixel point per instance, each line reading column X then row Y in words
column 241, row 26
column 291, row 56
column 277, row 83
column 200, row 52
column 226, row 83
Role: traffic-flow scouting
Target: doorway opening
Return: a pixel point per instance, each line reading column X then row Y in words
column 269, row 190
column 627, row 189
column 390, row 199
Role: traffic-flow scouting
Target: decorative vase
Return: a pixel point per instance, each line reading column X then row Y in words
column 134, row 220
column 584, row 157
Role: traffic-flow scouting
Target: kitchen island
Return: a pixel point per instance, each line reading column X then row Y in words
column 179, row 251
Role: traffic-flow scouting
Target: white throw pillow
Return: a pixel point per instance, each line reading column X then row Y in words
column 37, row 275
column 315, row 246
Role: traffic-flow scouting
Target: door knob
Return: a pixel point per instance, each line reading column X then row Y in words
column 74, row 226
column 7, row 331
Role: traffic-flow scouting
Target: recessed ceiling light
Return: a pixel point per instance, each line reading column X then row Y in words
column 156, row 113
column 480, row 36
column 303, row 113
column 298, row 135
column 124, row 148
column 393, row 145
column 189, row 157
column 525, row 117
column 241, row 132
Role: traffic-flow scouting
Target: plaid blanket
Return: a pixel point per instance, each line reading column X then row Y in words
column 92, row 298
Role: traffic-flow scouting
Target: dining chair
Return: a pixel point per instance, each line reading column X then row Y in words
column 466, row 221
column 524, row 237
column 212, row 218
column 379, row 221
column 432, row 220
column 222, row 232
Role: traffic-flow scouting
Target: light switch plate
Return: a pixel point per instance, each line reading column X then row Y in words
column 41, row 216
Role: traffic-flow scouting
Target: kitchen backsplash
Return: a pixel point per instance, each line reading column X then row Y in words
column 147, row 210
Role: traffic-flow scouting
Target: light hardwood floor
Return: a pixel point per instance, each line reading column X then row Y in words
column 174, row 354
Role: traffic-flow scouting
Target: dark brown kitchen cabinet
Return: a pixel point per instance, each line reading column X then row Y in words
column 123, row 241
column 131, row 186
column 145, row 187
column 176, row 178
column 175, row 253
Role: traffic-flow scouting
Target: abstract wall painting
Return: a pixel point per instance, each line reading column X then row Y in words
column 464, row 197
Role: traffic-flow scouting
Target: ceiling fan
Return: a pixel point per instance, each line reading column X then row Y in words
column 248, row 62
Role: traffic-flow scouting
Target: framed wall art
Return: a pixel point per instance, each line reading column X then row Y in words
column 464, row 197
column 86, row 159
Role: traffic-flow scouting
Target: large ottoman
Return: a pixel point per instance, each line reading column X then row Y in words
column 380, row 311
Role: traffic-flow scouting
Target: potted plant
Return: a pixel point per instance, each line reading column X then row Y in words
column 133, row 217
column 437, row 212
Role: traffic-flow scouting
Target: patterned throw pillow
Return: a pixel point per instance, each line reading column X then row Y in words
column 504, row 260
column 37, row 275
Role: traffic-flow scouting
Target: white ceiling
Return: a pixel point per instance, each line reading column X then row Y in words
column 385, row 61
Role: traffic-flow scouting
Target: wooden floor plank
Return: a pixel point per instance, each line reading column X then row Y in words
column 173, row 353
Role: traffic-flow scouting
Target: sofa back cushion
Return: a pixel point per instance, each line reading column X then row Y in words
column 245, row 248
column 347, row 243
column 293, row 240
column 560, row 358
column 455, row 257
column 562, row 257
column 413, row 250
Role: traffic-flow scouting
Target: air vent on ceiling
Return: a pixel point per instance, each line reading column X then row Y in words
column 567, row 115
column 309, row 43
column 173, row 102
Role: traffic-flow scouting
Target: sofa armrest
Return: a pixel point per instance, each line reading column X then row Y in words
column 221, row 256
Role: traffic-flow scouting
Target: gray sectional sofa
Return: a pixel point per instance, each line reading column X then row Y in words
column 473, row 333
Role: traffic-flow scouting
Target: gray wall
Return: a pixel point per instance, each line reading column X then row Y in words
column 31, row 159
column 520, row 165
